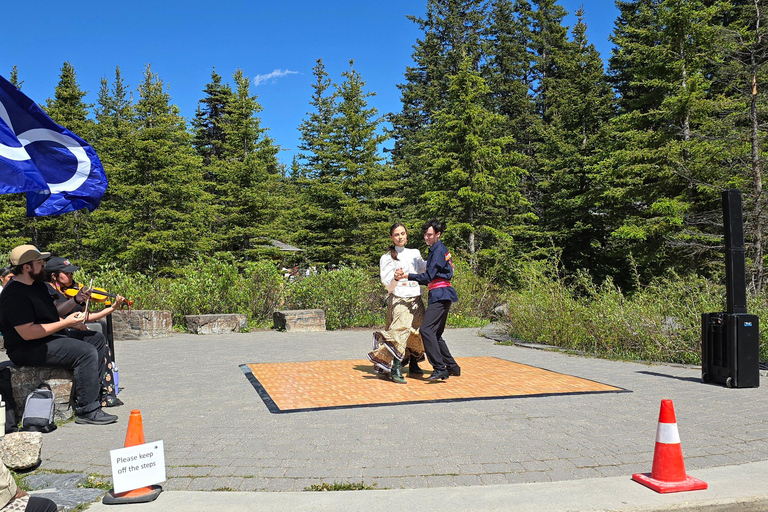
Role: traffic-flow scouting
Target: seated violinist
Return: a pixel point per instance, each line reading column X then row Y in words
column 69, row 297
column 37, row 335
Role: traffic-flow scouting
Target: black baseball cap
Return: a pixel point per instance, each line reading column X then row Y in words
column 59, row 264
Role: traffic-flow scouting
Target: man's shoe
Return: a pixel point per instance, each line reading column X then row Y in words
column 413, row 367
column 438, row 375
column 97, row 417
column 454, row 372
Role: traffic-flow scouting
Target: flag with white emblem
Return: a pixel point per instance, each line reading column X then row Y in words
column 57, row 170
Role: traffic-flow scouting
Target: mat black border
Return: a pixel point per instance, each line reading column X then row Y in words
column 274, row 409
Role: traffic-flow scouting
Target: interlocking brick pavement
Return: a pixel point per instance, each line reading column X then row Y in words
column 219, row 433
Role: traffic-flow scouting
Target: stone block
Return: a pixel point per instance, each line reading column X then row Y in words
column 21, row 450
column 298, row 320
column 141, row 324
column 215, row 324
column 25, row 379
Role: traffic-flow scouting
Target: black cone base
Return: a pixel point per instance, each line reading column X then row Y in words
column 111, row 499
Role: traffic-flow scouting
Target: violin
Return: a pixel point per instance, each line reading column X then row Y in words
column 97, row 294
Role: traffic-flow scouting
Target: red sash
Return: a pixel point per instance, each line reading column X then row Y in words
column 439, row 283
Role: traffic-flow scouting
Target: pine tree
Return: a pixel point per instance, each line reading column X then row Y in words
column 164, row 209
column 247, row 177
column 453, row 32
column 14, row 77
column 345, row 185
column 575, row 130
column 313, row 158
column 67, row 107
column 739, row 76
column 659, row 168
column 474, row 175
column 208, row 125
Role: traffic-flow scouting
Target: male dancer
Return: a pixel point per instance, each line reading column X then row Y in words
column 437, row 278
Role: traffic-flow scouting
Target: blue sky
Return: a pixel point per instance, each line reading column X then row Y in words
column 275, row 43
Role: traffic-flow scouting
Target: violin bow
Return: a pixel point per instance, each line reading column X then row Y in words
column 88, row 301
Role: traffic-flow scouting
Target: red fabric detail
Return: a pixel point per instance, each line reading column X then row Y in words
column 439, row 283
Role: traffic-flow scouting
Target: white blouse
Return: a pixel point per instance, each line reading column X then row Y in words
column 411, row 262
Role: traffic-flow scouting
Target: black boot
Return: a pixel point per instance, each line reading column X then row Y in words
column 396, row 375
column 438, row 375
column 413, row 367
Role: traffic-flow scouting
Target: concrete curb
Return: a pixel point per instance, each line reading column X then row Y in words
column 742, row 486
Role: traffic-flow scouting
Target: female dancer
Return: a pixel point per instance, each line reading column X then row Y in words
column 400, row 341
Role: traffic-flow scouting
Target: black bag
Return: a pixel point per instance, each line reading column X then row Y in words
column 6, row 390
column 38, row 411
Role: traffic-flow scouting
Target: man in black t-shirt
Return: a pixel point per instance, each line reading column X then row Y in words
column 35, row 335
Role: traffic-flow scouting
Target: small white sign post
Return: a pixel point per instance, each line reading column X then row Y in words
column 137, row 466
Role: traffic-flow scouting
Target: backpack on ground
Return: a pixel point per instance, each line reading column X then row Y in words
column 38, row 411
column 6, row 390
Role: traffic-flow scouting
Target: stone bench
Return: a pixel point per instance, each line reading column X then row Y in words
column 141, row 324
column 25, row 379
column 215, row 324
column 299, row 320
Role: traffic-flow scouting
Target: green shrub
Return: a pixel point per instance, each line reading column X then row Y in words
column 351, row 297
column 658, row 322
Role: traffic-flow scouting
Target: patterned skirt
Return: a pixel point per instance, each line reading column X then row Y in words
column 400, row 339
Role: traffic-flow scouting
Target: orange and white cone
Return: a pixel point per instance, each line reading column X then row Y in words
column 133, row 437
column 668, row 471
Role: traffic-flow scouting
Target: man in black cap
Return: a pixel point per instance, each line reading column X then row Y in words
column 36, row 335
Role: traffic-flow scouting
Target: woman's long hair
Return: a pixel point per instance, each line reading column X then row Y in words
column 392, row 248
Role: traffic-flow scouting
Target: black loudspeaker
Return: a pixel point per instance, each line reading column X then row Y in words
column 730, row 341
column 735, row 267
column 730, row 346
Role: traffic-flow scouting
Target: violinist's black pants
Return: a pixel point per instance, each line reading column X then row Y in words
column 432, row 335
column 40, row 504
column 83, row 352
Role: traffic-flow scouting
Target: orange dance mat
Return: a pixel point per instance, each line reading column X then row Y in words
column 316, row 385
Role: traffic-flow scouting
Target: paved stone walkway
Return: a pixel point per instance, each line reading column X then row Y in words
column 218, row 433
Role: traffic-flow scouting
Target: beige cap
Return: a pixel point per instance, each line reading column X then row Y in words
column 26, row 253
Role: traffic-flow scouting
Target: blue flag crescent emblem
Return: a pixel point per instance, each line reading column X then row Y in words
column 57, row 170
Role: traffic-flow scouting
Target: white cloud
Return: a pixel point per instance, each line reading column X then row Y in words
column 278, row 73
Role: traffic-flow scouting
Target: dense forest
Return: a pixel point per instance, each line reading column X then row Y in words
column 513, row 129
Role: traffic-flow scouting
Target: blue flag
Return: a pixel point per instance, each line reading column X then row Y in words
column 57, row 169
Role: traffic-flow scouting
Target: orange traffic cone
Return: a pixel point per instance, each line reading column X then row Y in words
column 134, row 436
column 668, row 472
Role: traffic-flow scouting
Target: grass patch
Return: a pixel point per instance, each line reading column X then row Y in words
column 223, row 489
column 96, row 481
column 340, row 486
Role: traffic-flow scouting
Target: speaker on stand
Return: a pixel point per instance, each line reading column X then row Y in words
column 730, row 341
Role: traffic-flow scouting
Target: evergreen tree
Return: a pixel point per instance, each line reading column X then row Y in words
column 164, row 209
column 208, row 125
column 314, row 152
column 453, row 32
column 115, row 125
column 67, row 107
column 346, row 187
column 575, row 130
column 14, row 77
column 474, row 175
column 739, row 77
column 248, row 188
column 659, row 167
